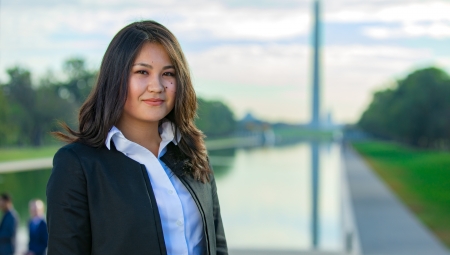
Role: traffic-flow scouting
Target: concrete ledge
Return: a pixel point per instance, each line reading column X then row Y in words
column 279, row 252
column 26, row 165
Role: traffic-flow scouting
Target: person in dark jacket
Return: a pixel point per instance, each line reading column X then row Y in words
column 8, row 226
column 135, row 177
column 37, row 229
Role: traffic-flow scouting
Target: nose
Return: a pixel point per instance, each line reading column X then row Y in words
column 155, row 85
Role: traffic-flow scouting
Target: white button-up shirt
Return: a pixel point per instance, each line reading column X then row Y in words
column 180, row 218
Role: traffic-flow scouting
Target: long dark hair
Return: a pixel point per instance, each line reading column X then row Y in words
column 105, row 104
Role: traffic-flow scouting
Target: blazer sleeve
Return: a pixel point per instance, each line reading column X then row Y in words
column 68, row 222
column 221, row 242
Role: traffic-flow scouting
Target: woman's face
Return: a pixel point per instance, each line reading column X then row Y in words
column 151, row 86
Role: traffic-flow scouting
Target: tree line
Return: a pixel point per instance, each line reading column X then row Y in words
column 415, row 111
column 30, row 109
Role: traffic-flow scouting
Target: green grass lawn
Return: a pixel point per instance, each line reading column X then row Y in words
column 11, row 154
column 420, row 178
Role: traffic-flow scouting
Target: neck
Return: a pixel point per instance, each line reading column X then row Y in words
column 145, row 134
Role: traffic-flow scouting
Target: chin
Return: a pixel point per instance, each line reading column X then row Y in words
column 154, row 118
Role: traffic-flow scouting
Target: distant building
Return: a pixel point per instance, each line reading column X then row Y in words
column 250, row 123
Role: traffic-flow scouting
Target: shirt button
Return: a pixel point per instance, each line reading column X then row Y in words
column 179, row 223
column 170, row 191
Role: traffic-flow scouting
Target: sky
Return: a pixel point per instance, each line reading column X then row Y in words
column 255, row 55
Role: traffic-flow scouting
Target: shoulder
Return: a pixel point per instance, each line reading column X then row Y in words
column 82, row 159
column 71, row 158
column 12, row 215
column 78, row 150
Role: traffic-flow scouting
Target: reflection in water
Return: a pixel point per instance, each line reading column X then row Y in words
column 274, row 197
column 315, row 190
column 222, row 161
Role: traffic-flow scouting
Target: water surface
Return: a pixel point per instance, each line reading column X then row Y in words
column 266, row 196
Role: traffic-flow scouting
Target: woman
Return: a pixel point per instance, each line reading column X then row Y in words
column 135, row 178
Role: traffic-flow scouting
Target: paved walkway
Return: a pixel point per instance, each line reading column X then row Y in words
column 385, row 225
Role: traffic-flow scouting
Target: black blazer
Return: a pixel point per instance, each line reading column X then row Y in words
column 101, row 202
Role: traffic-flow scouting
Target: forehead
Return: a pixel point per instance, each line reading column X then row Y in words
column 151, row 51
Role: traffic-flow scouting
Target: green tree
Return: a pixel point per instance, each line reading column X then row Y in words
column 416, row 111
column 9, row 131
column 79, row 80
column 215, row 118
column 21, row 97
column 33, row 110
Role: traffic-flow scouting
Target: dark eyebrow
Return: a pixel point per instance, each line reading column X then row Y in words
column 151, row 67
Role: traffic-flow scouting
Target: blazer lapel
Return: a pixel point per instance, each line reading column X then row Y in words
column 179, row 163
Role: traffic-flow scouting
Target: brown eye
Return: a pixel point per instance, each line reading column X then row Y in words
column 169, row 74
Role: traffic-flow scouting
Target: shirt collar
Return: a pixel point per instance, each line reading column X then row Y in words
column 166, row 131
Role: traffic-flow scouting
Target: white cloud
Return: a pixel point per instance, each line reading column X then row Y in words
column 388, row 11
column 434, row 30
column 245, row 24
column 271, row 65
column 193, row 19
column 417, row 12
column 218, row 20
column 397, row 19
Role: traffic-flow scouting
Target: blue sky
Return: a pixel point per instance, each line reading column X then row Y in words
column 255, row 55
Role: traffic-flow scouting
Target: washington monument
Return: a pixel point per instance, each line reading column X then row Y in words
column 315, row 116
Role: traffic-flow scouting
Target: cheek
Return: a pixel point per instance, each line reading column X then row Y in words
column 170, row 84
column 171, row 91
column 171, row 88
column 136, row 88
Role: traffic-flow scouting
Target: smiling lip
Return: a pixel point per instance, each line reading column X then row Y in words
column 153, row 101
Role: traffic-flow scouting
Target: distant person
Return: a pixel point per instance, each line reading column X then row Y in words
column 8, row 227
column 135, row 177
column 37, row 229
